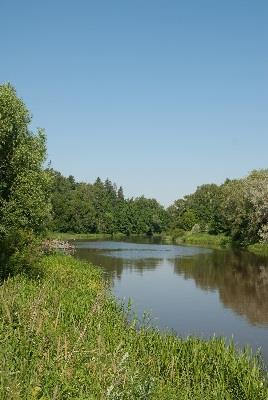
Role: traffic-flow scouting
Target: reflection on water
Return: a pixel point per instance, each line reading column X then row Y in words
column 240, row 278
column 189, row 289
column 114, row 257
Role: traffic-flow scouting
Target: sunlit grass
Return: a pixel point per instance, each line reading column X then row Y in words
column 200, row 239
column 259, row 248
column 63, row 336
column 205, row 239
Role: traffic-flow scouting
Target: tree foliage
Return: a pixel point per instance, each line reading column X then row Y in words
column 237, row 208
column 102, row 208
column 24, row 185
column 256, row 185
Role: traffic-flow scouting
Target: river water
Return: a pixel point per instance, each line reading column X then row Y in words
column 190, row 290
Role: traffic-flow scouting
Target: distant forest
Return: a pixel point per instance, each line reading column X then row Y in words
column 238, row 208
column 101, row 207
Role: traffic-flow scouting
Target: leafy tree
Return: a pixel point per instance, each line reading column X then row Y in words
column 101, row 207
column 24, row 184
column 145, row 216
column 256, row 187
column 205, row 203
column 245, row 208
column 235, row 211
column 238, row 208
column 62, row 197
column 181, row 215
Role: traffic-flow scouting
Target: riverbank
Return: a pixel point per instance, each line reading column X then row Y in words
column 213, row 241
column 200, row 239
column 63, row 336
column 195, row 239
column 259, row 249
column 84, row 236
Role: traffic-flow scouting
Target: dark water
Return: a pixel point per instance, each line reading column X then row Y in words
column 194, row 291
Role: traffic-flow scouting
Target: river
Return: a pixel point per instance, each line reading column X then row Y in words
column 190, row 290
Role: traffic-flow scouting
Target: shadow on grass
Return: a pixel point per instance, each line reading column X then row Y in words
column 9, row 270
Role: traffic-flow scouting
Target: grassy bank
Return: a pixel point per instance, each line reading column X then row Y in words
column 200, row 239
column 259, row 248
column 214, row 241
column 84, row 236
column 64, row 337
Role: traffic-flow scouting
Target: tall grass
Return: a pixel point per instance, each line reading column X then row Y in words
column 259, row 248
column 206, row 239
column 63, row 336
column 201, row 239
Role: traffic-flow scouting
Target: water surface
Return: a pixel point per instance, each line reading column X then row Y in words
column 192, row 290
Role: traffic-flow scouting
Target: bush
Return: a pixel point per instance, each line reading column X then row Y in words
column 176, row 233
column 20, row 251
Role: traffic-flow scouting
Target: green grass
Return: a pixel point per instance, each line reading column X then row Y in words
column 205, row 239
column 259, row 248
column 63, row 336
column 81, row 236
column 200, row 239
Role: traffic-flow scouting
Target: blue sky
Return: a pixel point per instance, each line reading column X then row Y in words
column 159, row 96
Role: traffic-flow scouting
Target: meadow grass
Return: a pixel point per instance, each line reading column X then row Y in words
column 259, row 248
column 63, row 336
column 206, row 239
column 200, row 239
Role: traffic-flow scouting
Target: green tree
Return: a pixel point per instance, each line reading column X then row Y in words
column 181, row 215
column 24, row 184
column 205, row 203
column 238, row 208
column 256, row 187
column 102, row 208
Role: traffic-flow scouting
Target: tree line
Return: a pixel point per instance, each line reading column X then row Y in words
column 101, row 207
column 34, row 198
column 238, row 208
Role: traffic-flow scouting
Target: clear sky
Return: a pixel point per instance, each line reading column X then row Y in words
column 158, row 95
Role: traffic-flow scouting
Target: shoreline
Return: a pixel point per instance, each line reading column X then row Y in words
column 217, row 242
column 64, row 333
